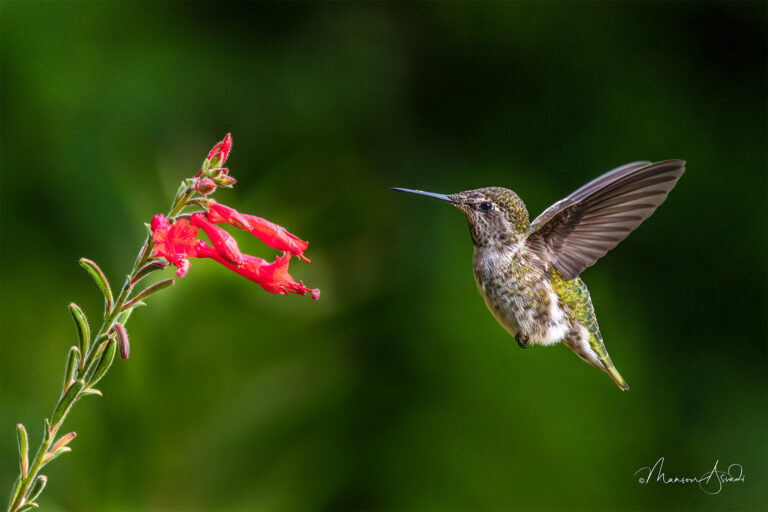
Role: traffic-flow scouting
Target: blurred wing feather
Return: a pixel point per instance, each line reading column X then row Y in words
column 576, row 231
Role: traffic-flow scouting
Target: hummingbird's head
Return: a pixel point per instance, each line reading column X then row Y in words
column 494, row 214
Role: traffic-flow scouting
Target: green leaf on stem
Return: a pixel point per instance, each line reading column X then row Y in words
column 15, row 493
column 162, row 285
column 182, row 188
column 73, row 361
column 27, row 506
column 48, row 457
column 101, row 280
column 63, row 441
column 147, row 269
column 126, row 314
column 66, row 401
column 83, row 331
column 122, row 319
column 103, row 345
column 23, row 439
column 37, row 487
column 91, row 391
column 104, row 363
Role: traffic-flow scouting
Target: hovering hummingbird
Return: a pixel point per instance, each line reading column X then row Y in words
column 528, row 272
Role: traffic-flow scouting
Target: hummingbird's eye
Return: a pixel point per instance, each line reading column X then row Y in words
column 485, row 206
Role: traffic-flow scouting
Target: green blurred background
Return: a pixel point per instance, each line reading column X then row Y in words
column 396, row 390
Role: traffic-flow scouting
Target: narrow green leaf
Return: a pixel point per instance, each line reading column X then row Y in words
column 47, row 427
column 149, row 291
column 37, row 487
column 104, row 363
column 15, row 493
column 73, row 361
column 103, row 345
column 63, row 441
column 27, row 506
column 147, row 269
column 91, row 391
column 125, row 315
column 182, row 188
column 83, row 331
column 95, row 356
column 23, row 440
column 101, row 280
column 48, row 457
column 66, row 401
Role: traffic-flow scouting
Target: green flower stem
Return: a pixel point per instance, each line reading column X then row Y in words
column 22, row 492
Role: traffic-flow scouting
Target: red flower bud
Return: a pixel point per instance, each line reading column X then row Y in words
column 122, row 340
column 159, row 222
column 205, row 186
column 218, row 155
column 224, row 180
column 222, row 241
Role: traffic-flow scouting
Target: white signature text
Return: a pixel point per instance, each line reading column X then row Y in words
column 711, row 482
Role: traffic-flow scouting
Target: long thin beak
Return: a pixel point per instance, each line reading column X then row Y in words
column 441, row 197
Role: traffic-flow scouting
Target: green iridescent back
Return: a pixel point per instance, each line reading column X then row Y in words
column 575, row 296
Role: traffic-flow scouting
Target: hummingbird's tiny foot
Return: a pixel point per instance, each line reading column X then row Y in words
column 521, row 340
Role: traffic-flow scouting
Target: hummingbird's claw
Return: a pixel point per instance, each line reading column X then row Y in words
column 521, row 340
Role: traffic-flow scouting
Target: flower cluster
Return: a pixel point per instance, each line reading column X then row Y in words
column 178, row 241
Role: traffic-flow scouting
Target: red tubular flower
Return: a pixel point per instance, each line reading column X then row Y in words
column 222, row 241
column 268, row 232
column 179, row 241
column 273, row 277
column 175, row 242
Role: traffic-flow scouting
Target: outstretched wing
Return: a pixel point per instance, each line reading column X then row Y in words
column 576, row 231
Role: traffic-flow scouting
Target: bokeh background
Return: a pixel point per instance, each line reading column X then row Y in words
column 396, row 390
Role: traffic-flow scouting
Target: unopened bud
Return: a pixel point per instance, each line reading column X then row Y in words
column 122, row 340
column 205, row 186
column 219, row 153
column 224, row 180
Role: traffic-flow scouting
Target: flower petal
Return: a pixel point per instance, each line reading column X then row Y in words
column 175, row 242
column 273, row 277
column 223, row 242
column 268, row 232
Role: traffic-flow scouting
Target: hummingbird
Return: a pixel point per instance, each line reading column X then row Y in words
column 528, row 272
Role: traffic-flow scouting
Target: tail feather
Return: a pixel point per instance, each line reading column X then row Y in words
column 592, row 350
column 617, row 378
